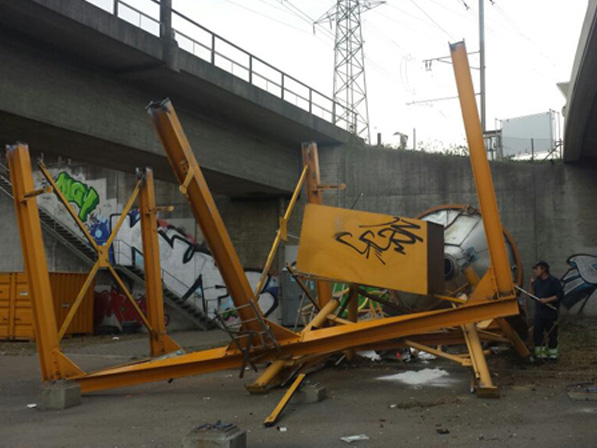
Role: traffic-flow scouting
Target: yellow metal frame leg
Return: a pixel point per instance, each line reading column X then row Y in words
column 160, row 343
column 189, row 175
column 315, row 196
column 53, row 364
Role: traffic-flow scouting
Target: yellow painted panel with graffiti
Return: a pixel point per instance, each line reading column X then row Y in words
column 371, row 249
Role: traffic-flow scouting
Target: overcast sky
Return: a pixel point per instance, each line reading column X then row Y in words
column 530, row 45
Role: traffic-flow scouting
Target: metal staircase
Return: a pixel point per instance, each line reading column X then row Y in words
column 81, row 249
column 199, row 318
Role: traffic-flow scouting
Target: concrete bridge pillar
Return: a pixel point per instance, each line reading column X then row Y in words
column 170, row 47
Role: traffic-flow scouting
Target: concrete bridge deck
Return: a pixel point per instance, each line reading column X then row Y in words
column 75, row 80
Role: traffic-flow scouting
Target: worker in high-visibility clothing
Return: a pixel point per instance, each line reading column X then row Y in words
column 549, row 290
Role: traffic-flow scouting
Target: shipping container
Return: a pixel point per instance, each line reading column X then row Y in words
column 16, row 317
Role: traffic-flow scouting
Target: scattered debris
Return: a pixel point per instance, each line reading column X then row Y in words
column 116, row 338
column 443, row 431
column 217, row 426
column 355, row 438
column 370, row 355
column 582, row 391
column 424, row 356
column 282, row 428
column 432, row 377
column 32, row 405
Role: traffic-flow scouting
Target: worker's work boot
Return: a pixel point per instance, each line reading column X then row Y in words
column 540, row 352
column 553, row 353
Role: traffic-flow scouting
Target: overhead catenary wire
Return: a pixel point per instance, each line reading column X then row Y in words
column 432, row 19
column 266, row 16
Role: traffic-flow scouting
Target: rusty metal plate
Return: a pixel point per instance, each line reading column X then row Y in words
column 371, row 249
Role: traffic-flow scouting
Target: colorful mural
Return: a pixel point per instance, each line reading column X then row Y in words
column 580, row 282
column 189, row 270
column 79, row 193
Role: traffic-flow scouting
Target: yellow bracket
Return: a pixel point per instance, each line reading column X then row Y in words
column 187, row 181
column 321, row 187
column 163, row 208
column 36, row 192
column 283, row 229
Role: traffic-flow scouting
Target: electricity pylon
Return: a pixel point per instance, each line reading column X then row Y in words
column 350, row 87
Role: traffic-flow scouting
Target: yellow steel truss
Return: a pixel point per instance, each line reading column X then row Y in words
column 493, row 297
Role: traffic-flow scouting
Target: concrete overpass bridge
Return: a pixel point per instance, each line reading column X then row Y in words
column 75, row 80
column 580, row 140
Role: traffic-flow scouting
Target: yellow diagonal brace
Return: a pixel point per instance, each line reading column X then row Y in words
column 280, row 233
column 132, row 300
column 65, row 202
column 124, row 214
column 284, row 401
column 78, row 300
column 433, row 351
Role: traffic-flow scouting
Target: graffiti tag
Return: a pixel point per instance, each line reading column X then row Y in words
column 380, row 238
column 85, row 197
column 580, row 281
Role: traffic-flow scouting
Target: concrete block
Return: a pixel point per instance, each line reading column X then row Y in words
column 310, row 393
column 218, row 435
column 59, row 395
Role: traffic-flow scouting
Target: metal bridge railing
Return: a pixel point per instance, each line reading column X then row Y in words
column 207, row 45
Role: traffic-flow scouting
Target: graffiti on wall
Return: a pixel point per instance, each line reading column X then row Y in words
column 88, row 197
column 79, row 193
column 580, row 281
column 189, row 270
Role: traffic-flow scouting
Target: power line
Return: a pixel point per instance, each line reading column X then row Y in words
column 432, row 19
column 265, row 16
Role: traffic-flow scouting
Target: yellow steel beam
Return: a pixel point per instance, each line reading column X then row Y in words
column 189, row 174
column 439, row 353
column 281, row 233
column 315, row 196
column 338, row 320
column 53, row 364
column 131, row 299
column 451, row 299
column 484, row 385
column 259, row 386
column 123, row 214
column 323, row 341
column 69, row 208
column 273, row 417
column 160, row 343
column 321, row 317
column 513, row 337
column 481, row 171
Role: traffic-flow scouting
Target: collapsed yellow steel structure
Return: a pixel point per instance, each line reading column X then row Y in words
column 258, row 338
